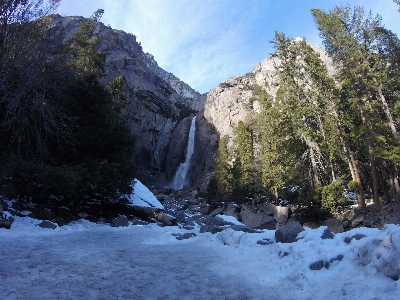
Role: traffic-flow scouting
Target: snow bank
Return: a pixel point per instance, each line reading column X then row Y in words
column 142, row 196
column 133, row 263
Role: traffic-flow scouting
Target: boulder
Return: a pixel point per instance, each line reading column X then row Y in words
column 253, row 220
column 120, row 221
column 218, row 211
column 357, row 220
column 318, row 265
column 334, row 225
column 280, row 214
column 327, row 234
column 264, row 242
column 47, row 224
column 337, row 258
column 244, row 229
column 210, row 228
column 5, row 223
column 204, row 210
column 357, row 237
column 43, row 214
column 288, row 233
column 183, row 236
column 166, row 219
column 370, row 219
column 269, row 209
column 233, row 212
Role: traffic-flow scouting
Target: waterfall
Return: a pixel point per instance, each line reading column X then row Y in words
column 180, row 175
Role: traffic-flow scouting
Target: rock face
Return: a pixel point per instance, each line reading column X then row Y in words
column 157, row 100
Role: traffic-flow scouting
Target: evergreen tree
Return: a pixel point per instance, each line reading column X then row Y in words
column 222, row 167
column 351, row 37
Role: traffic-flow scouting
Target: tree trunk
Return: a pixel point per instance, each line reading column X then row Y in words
column 388, row 114
column 314, row 166
column 355, row 174
column 360, row 192
column 276, row 196
column 327, row 145
column 392, row 189
column 371, row 157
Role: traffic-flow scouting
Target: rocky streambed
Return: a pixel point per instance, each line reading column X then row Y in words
column 186, row 209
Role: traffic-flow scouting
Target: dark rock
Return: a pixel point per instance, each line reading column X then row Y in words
column 47, row 224
column 183, row 236
column 269, row 209
column 327, row 234
column 166, row 219
column 188, row 227
column 357, row 237
column 244, row 229
column 43, row 214
column 346, row 224
column 265, row 242
column 357, row 220
column 5, row 223
column 369, row 220
column 218, row 211
column 217, row 221
column 210, row 228
column 318, row 265
column 288, row 233
column 9, row 191
column 334, row 225
column 337, row 258
column 311, row 225
column 3, row 203
column 204, row 210
column 60, row 221
column 258, row 221
column 396, row 208
column 120, row 222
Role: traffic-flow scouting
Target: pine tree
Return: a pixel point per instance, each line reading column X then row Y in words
column 351, row 37
column 222, row 167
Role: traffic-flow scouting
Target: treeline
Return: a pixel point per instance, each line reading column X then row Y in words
column 323, row 133
column 62, row 132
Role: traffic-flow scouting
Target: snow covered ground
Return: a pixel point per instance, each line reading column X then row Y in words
column 85, row 260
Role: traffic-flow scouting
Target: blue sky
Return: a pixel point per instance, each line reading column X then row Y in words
column 205, row 42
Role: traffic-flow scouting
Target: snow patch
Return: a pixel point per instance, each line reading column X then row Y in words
column 142, row 196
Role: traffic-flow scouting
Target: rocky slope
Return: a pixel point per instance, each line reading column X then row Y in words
column 157, row 100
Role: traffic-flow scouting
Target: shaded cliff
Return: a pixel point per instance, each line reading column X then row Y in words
column 157, row 100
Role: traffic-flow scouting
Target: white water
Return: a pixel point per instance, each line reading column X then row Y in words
column 180, row 175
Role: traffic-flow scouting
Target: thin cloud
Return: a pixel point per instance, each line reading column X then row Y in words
column 205, row 42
